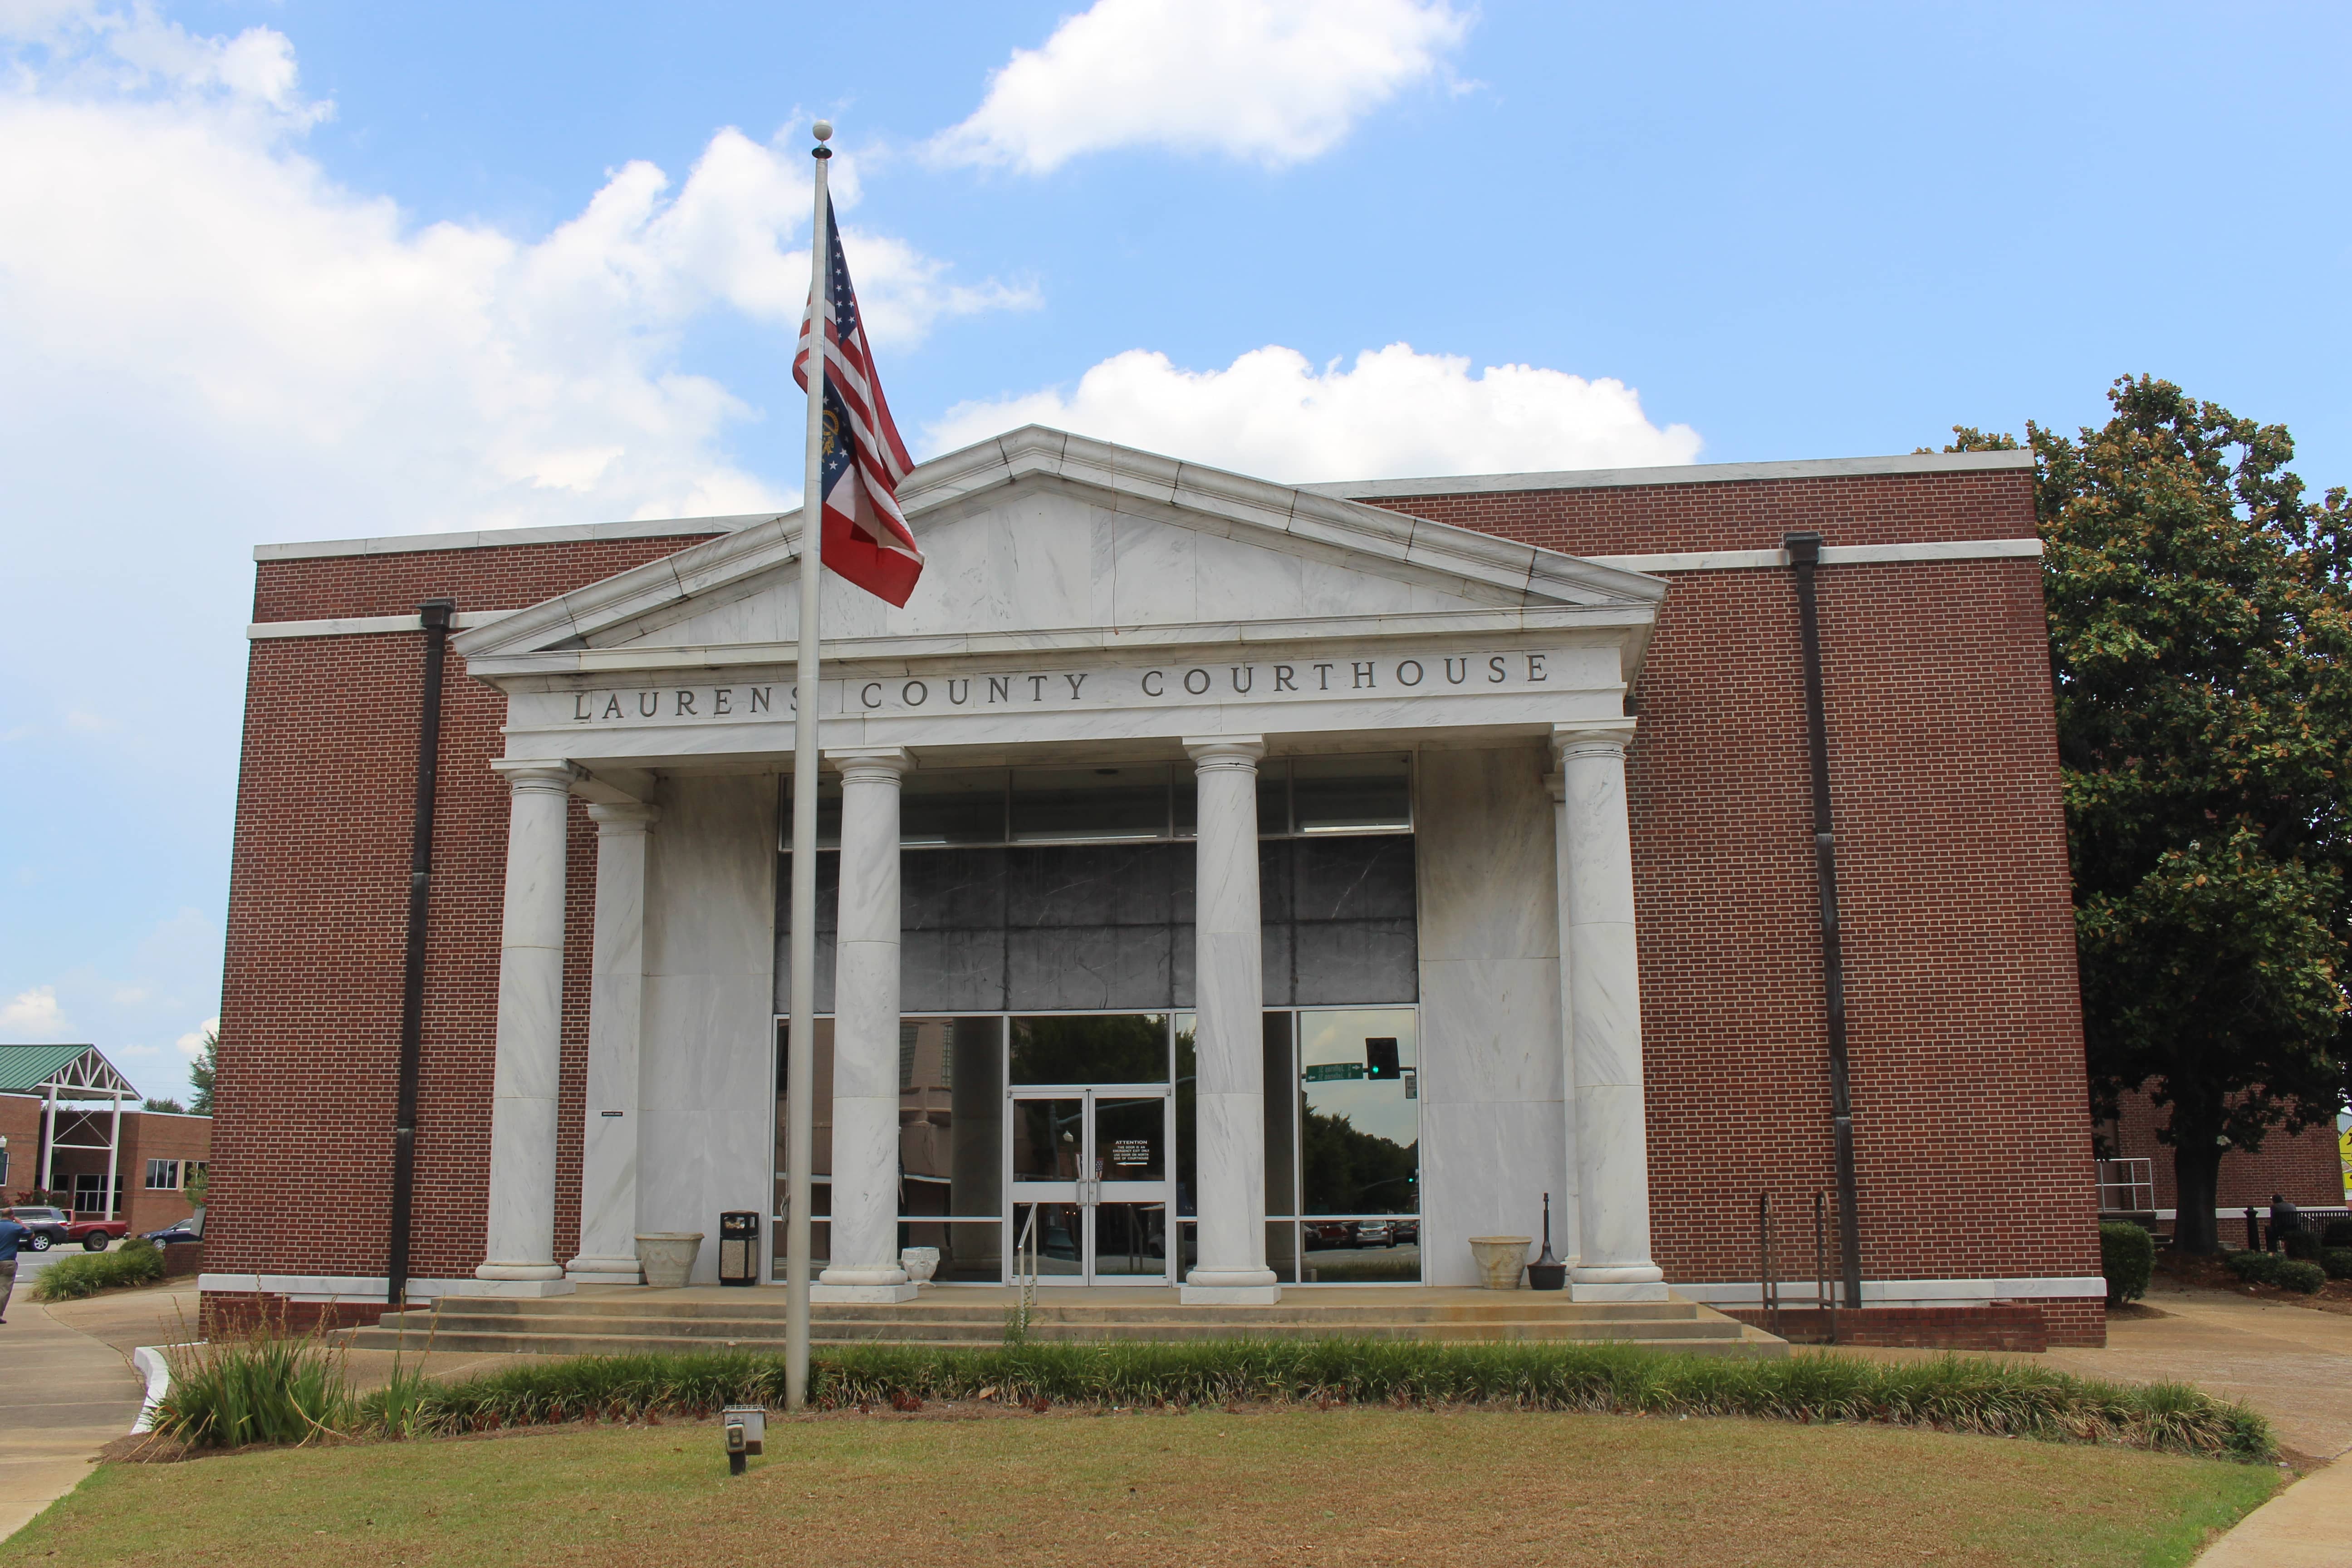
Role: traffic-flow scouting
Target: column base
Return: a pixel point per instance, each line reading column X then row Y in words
column 861, row 1294
column 1617, row 1282
column 586, row 1270
column 1229, row 1287
column 517, row 1288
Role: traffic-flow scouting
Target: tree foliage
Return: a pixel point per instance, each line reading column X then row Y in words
column 2200, row 629
column 200, row 1075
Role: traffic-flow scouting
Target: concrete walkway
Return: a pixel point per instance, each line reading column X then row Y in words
column 65, row 1396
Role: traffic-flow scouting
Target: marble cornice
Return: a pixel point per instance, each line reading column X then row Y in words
column 1628, row 623
column 741, row 562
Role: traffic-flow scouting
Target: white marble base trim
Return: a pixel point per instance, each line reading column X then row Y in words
column 343, row 1288
column 868, row 1294
column 603, row 1277
column 518, row 1288
column 1579, row 1290
column 1616, row 1274
column 518, row 1272
column 1908, row 1293
column 1228, row 1295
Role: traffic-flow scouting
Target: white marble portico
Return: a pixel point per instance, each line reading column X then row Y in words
column 1082, row 602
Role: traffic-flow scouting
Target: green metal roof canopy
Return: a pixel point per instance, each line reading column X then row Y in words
column 75, row 1072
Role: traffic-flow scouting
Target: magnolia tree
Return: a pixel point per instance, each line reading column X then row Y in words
column 2201, row 639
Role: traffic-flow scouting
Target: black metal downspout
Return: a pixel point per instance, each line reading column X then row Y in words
column 1805, row 555
column 436, row 614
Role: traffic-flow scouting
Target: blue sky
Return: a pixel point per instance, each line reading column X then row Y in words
column 300, row 270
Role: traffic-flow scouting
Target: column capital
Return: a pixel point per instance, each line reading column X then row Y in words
column 521, row 773
column 1592, row 738
column 871, row 763
column 1225, row 751
column 616, row 819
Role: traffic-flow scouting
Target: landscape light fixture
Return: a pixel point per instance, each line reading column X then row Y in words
column 745, row 1428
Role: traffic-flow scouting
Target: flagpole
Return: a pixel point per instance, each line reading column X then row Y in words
column 800, row 1068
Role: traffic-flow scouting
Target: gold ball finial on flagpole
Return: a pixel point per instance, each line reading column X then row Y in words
column 821, row 131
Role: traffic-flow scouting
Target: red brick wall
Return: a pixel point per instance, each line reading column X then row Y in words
column 2305, row 1165
column 149, row 1136
column 318, row 895
column 1972, row 1133
column 20, row 1123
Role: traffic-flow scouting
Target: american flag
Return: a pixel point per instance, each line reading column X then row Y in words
column 866, row 537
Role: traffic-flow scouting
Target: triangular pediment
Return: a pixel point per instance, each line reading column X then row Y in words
column 1043, row 533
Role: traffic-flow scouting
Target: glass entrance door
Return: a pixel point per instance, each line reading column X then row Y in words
column 1090, row 1173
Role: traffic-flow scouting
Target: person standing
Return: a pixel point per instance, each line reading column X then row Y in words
column 12, row 1236
column 2286, row 1219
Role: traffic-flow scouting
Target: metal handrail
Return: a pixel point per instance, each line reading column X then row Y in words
column 1025, row 1269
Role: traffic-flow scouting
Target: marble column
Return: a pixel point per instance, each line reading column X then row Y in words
column 1567, row 1209
column 863, row 1263
column 616, row 988
column 521, row 1243
column 1604, row 995
column 1230, row 1033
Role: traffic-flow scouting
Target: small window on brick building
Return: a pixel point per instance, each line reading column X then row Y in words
column 163, row 1175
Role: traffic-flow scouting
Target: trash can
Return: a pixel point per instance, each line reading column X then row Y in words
column 739, row 1247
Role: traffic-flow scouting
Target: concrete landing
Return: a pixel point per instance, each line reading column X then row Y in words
column 620, row 1320
column 65, row 1396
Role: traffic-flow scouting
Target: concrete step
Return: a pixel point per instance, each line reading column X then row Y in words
column 718, row 1331
column 1514, row 1306
column 614, row 1345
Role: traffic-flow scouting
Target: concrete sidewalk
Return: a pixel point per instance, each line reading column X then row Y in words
column 66, row 1396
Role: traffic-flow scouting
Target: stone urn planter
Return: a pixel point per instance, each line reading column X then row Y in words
column 1501, row 1259
column 919, row 1262
column 667, row 1256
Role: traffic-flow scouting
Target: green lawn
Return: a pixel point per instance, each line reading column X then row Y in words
column 1274, row 1487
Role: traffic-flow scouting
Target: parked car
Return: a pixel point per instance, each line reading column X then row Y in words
column 55, row 1228
column 50, row 1226
column 179, row 1230
column 1375, row 1233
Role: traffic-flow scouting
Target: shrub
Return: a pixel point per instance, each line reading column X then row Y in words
column 2128, row 1258
column 2255, row 1267
column 70, row 1278
column 2335, row 1233
column 266, row 1386
column 2294, row 1274
column 2301, row 1243
column 2336, row 1262
column 2001, row 1398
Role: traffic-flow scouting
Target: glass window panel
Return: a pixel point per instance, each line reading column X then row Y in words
column 1097, row 1048
column 1361, row 1252
column 1058, row 1240
column 957, row 806
column 1351, row 794
column 1130, row 1240
column 1282, row 1249
column 1048, row 1136
column 1128, row 802
column 1132, row 1139
column 1359, row 1114
column 1274, row 796
column 1281, row 1119
column 951, row 1119
column 1188, row 1074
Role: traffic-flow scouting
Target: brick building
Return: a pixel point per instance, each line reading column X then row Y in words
column 79, row 1136
column 1254, row 887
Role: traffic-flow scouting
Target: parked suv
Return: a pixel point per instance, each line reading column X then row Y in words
column 55, row 1228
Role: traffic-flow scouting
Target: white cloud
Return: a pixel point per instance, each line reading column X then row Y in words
column 191, row 1044
column 1396, row 414
column 34, row 1016
column 1272, row 81
column 171, row 260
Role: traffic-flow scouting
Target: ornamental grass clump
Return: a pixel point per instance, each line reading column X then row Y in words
column 135, row 1262
column 263, row 1387
column 1953, row 1394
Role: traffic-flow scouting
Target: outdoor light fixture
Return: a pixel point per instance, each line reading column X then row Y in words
column 745, row 1428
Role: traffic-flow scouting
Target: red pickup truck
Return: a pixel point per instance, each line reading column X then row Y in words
column 55, row 1228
